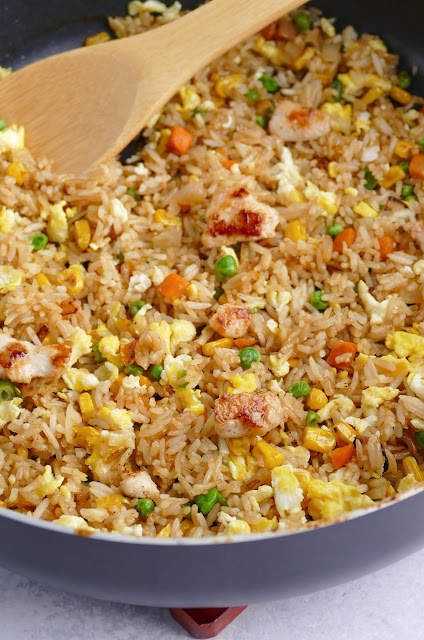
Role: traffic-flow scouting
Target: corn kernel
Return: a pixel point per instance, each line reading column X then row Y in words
column 295, row 231
column 123, row 324
column 165, row 532
column 223, row 343
column 318, row 439
column 345, row 432
column 351, row 191
column 72, row 278
column 42, row 280
column 110, row 501
column 400, row 95
column 18, row 171
column 390, row 491
column 271, row 456
column 293, row 362
column 97, row 38
column 185, row 525
column 224, row 85
column 331, row 169
column 144, row 381
column 365, row 210
column 239, row 446
column 162, row 217
column 316, row 399
column 85, row 436
column 405, row 149
column 163, row 141
column 394, row 175
column 372, row 95
column 303, row 477
column 272, row 52
column 82, row 234
column 265, row 524
column 193, row 178
column 410, row 465
column 377, row 44
column 22, row 452
column 86, row 406
column 116, row 384
column 305, row 57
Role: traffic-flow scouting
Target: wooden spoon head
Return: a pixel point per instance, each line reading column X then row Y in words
column 86, row 99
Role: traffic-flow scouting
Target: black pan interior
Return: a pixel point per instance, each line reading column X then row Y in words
column 32, row 29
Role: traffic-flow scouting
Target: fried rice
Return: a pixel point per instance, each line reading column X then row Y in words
column 223, row 334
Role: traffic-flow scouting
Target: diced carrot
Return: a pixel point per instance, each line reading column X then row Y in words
column 346, row 237
column 342, row 455
column 173, row 286
column 241, row 343
column 270, row 31
column 387, row 246
column 180, row 140
column 339, row 349
column 416, row 167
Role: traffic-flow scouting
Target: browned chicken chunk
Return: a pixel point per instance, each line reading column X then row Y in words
column 138, row 484
column 246, row 414
column 237, row 216
column 231, row 321
column 23, row 361
column 293, row 123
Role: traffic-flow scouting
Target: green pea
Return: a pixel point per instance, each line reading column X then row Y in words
column 338, row 88
column 334, row 229
column 404, row 79
column 218, row 292
column 133, row 193
column 206, row 501
column 3, row 124
column 136, row 306
column 255, row 309
column 419, row 439
column 248, row 355
column 312, row 419
column 39, row 241
column 260, row 120
column 225, row 267
column 317, row 302
column 252, row 94
column 404, row 165
column 155, row 371
column 370, row 181
column 407, row 191
column 300, row 389
column 97, row 353
column 8, row 391
column 303, row 22
column 133, row 370
column 421, row 144
column 144, row 506
column 269, row 83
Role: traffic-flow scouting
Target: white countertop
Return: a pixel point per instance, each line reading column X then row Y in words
column 386, row 605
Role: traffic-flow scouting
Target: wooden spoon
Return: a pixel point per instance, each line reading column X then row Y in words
column 84, row 106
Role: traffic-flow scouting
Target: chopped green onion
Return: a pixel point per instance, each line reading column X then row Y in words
column 300, row 389
column 201, row 112
column 97, row 353
column 248, row 355
column 206, row 501
column 334, row 229
column 255, row 309
column 419, row 439
column 183, row 385
column 269, row 83
column 404, row 165
column 407, row 191
column 371, row 181
column 421, row 144
column 8, row 391
column 136, row 306
column 260, row 120
column 317, row 302
column 3, row 124
column 252, row 94
column 155, row 371
column 404, row 79
column 144, row 506
column 338, row 88
column 225, row 267
column 121, row 257
column 133, row 370
column 87, row 482
column 303, row 22
column 312, row 419
column 218, row 292
column 133, row 193
column 39, row 241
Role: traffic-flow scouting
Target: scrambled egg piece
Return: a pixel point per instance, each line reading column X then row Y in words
column 265, row 524
column 118, row 211
column 9, row 410
column 340, row 114
column 255, row 496
column 80, row 379
column 81, row 344
column 190, row 99
column 279, row 366
column 191, row 398
column 74, row 522
column 245, row 384
column 138, row 284
column 270, row 50
column 12, row 139
column 10, row 278
column 364, row 209
column 288, row 175
column 278, row 299
column 287, row 492
column 376, row 311
column 330, row 499
column 7, row 220
column 47, row 483
column 373, row 397
column 416, row 382
column 4, row 72
column 114, row 419
column 236, row 527
column 174, row 334
column 154, row 6
column 242, row 467
column 341, row 403
column 172, row 367
column 109, row 346
column 405, row 344
column 57, row 222
column 326, row 200
column 418, row 267
column 406, row 483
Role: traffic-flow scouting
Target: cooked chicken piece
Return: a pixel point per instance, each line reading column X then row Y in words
column 238, row 217
column 23, row 361
column 138, row 484
column 231, row 321
column 247, row 414
column 293, row 123
column 416, row 231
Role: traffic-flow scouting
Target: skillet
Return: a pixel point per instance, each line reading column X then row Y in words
column 182, row 573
